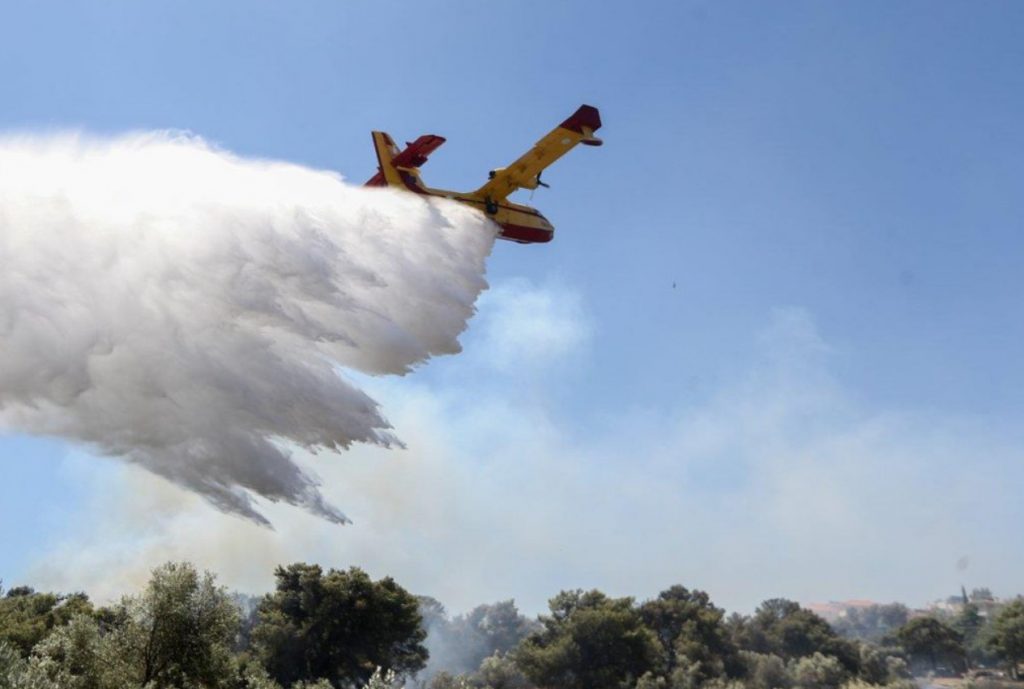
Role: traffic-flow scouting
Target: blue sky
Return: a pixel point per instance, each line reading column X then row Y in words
column 845, row 174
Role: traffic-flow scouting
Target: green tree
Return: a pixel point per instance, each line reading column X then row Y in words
column 1007, row 636
column 782, row 627
column 589, row 641
column 252, row 675
column 11, row 665
column 928, row 639
column 340, row 626
column 178, row 632
column 499, row 671
column 692, row 634
column 879, row 665
column 74, row 656
column 489, row 629
column 817, row 671
column 971, row 625
column 27, row 616
column 765, row 671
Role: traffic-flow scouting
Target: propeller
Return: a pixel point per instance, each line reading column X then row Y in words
column 539, row 184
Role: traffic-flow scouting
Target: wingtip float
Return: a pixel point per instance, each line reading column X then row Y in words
column 519, row 223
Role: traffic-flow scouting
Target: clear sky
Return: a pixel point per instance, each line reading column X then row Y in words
column 773, row 350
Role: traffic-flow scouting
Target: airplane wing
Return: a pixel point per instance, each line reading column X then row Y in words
column 413, row 156
column 524, row 173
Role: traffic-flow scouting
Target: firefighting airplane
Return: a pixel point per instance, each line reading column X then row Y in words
column 518, row 223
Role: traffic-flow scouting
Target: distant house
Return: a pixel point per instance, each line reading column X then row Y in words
column 981, row 598
column 836, row 609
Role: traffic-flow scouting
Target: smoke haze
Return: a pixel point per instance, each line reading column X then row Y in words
column 777, row 482
column 188, row 310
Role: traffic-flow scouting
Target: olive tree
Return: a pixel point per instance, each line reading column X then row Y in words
column 177, row 632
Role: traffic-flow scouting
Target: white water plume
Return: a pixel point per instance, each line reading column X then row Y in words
column 189, row 310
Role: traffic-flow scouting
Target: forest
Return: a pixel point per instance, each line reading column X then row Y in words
column 338, row 629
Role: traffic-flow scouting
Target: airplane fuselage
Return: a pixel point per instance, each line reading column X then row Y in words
column 518, row 223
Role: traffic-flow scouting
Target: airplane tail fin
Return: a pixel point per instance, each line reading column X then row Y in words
column 386, row 152
column 401, row 168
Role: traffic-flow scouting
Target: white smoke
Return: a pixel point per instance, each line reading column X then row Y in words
column 188, row 310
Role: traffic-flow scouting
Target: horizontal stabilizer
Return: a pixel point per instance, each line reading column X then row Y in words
column 417, row 152
column 409, row 159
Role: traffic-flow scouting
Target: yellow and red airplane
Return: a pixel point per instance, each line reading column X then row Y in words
column 518, row 223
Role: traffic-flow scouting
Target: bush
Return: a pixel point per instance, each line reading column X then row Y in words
column 11, row 665
column 818, row 672
column 765, row 671
column 499, row 672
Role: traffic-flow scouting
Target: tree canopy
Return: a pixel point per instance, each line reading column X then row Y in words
column 692, row 634
column 179, row 631
column 928, row 639
column 26, row 616
column 783, row 628
column 1007, row 637
column 341, row 629
column 589, row 641
column 340, row 626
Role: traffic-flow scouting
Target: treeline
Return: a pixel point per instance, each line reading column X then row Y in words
column 316, row 630
column 341, row 629
column 972, row 633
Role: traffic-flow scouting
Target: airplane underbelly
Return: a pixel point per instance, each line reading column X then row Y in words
column 520, row 226
column 525, row 234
